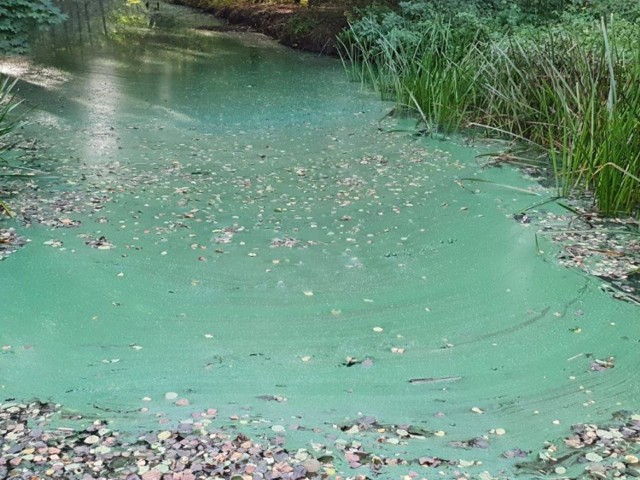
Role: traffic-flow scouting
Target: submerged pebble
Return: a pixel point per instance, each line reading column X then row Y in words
column 98, row 453
column 604, row 452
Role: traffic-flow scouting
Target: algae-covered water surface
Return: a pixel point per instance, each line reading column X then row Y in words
column 226, row 224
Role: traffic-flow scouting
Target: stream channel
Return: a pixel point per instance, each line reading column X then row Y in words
column 236, row 222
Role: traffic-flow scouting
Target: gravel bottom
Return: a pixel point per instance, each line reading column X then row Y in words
column 31, row 449
column 28, row 450
column 593, row 451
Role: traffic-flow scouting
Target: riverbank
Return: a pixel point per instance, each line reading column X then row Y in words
column 313, row 29
column 197, row 448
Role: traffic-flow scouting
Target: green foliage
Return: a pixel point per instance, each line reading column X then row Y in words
column 207, row 4
column 20, row 18
column 8, row 123
column 433, row 73
column 570, row 87
column 582, row 108
column 300, row 26
column 8, row 104
column 596, row 9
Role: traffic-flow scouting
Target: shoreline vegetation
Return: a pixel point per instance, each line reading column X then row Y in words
column 561, row 83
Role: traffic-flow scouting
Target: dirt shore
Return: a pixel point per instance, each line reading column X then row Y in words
column 312, row 29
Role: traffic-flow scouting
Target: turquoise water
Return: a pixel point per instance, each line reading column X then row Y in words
column 261, row 227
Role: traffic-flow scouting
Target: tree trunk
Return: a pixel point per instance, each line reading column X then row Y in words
column 87, row 18
column 79, row 19
column 104, row 19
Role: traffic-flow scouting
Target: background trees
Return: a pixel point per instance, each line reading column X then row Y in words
column 20, row 18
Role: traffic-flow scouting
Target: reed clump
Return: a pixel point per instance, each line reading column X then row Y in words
column 8, row 103
column 571, row 87
column 8, row 123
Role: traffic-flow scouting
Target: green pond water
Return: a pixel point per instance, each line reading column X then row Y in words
column 261, row 226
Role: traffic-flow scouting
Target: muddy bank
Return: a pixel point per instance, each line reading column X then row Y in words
column 312, row 29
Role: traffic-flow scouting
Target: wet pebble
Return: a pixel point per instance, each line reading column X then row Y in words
column 605, row 452
column 177, row 454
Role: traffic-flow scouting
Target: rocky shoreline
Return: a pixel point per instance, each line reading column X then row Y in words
column 28, row 449
column 31, row 448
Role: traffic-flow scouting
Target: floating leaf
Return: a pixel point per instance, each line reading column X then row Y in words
column 170, row 396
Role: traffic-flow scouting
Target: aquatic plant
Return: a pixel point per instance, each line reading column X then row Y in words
column 433, row 73
column 8, row 104
column 580, row 102
column 572, row 91
column 8, row 122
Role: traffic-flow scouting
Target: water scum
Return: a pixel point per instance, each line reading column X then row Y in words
column 236, row 270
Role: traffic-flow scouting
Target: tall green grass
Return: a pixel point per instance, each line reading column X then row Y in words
column 577, row 99
column 581, row 103
column 8, row 123
column 433, row 74
column 8, row 104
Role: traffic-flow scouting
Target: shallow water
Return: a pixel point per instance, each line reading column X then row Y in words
column 265, row 226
